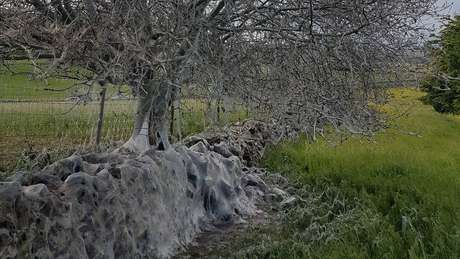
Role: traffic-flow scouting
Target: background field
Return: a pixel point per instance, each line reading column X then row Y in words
column 37, row 114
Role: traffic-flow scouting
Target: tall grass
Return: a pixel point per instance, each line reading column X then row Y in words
column 397, row 194
column 55, row 125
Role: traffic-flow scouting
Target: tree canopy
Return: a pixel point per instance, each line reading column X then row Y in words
column 301, row 63
column 443, row 82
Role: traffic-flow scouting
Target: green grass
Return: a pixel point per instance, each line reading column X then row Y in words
column 17, row 83
column 34, row 126
column 56, row 125
column 399, row 192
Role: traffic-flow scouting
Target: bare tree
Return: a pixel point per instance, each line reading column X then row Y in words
column 304, row 63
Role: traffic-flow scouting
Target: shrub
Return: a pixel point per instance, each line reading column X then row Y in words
column 443, row 82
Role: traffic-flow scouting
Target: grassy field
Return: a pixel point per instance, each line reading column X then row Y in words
column 34, row 115
column 33, row 118
column 16, row 84
column 393, row 196
column 34, row 126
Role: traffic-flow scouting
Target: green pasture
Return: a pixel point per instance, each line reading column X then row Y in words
column 395, row 195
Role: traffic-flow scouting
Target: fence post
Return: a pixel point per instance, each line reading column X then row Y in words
column 179, row 119
column 218, row 109
column 171, row 121
column 100, row 122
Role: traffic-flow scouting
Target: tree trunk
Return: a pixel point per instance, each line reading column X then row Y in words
column 139, row 141
column 151, row 118
column 161, row 104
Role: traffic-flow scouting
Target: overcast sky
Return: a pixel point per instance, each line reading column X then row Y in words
column 455, row 7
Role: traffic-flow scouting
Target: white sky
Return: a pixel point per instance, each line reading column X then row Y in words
column 455, row 9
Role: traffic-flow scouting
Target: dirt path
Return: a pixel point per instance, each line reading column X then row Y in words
column 226, row 240
column 220, row 241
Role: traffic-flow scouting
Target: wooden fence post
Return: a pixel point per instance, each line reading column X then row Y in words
column 100, row 121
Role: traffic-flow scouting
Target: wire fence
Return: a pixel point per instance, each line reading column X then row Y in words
column 57, row 123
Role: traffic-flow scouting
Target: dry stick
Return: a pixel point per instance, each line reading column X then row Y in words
column 101, row 116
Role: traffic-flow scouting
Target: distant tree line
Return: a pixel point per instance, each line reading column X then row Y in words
column 443, row 81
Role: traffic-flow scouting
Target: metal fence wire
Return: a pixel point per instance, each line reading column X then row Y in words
column 27, row 124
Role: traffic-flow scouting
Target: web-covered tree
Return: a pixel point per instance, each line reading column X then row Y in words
column 302, row 63
column 443, row 83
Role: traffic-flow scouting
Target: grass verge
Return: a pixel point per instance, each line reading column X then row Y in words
column 393, row 196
